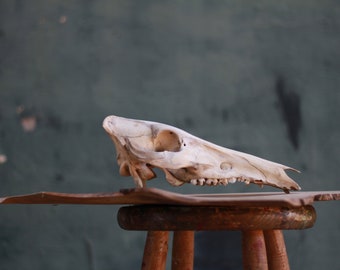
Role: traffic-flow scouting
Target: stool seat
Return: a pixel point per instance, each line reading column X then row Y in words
column 214, row 218
column 262, row 239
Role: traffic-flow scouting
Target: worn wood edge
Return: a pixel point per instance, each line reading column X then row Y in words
column 327, row 196
column 157, row 196
column 212, row 218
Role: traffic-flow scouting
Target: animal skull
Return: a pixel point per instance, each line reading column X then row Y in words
column 184, row 158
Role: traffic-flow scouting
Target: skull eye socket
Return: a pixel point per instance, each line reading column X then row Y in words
column 167, row 140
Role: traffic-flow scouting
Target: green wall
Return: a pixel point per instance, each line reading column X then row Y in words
column 260, row 77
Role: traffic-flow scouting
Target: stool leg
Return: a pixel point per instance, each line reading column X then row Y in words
column 276, row 250
column 254, row 250
column 155, row 250
column 183, row 250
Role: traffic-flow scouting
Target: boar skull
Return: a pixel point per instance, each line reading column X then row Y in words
column 184, row 158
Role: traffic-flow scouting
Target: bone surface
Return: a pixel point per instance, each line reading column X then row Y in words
column 184, row 158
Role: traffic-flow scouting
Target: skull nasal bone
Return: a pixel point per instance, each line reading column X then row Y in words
column 167, row 140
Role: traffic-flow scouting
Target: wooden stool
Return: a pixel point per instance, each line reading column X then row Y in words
column 260, row 217
column 262, row 239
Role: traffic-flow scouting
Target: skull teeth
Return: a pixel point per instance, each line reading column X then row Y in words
column 193, row 181
column 209, row 182
column 232, row 180
column 201, row 181
column 223, row 181
column 212, row 181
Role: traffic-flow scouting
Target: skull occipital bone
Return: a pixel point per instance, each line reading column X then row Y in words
column 184, row 158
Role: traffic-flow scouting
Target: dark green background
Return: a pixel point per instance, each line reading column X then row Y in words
column 260, row 77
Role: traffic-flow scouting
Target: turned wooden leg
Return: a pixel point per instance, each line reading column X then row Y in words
column 183, row 250
column 155, row 250
column 276, row 250
column 254, row 250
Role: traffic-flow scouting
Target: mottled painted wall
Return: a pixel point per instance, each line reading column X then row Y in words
column 260, row 77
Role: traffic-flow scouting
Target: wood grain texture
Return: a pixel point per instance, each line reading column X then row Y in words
column 212, row 218
column 183, row 250
column 254, row 250
column 276, row 250
column 155, row 250
column 157, row 196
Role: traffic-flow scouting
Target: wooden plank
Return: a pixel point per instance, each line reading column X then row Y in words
column 157, row 196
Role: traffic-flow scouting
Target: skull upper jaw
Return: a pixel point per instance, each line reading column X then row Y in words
column 143, row 145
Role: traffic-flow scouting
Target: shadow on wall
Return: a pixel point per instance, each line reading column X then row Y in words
column 289, row 103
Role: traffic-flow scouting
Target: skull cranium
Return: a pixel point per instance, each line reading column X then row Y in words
column 184, row 158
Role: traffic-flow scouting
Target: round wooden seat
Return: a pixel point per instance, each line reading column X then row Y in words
column 262, row 239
